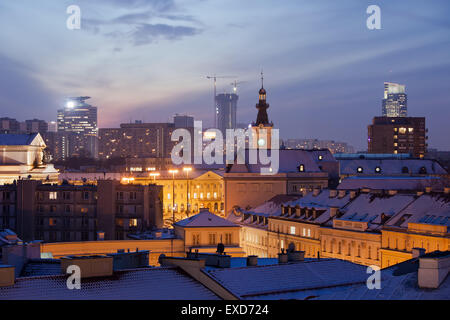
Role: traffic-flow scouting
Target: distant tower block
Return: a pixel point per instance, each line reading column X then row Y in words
column 262, row 128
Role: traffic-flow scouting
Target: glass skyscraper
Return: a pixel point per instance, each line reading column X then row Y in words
column 395, row 100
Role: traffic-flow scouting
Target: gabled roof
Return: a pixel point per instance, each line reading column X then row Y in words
column 21, row 139
column 427, row 209
column 205, row 219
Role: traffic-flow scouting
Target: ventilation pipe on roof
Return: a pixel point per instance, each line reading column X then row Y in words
column 333, row 193
column 252, row 261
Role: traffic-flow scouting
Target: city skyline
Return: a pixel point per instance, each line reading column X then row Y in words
column 130, row 57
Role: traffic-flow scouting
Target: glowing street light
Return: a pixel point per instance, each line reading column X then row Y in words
column 173, row 172
column 187, row 170
column 154, row 175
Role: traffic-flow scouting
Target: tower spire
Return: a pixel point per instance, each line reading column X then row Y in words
column 262, row 78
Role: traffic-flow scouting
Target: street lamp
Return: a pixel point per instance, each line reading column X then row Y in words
column 154, row 175
column 187, row 170
column 173, row 172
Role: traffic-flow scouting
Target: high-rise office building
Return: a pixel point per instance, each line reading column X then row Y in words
column 395, row 100
column 9, row 125
column 398, row 135
column 226, row 111
column 35, row 126
column 78, row 120
column 183, row 121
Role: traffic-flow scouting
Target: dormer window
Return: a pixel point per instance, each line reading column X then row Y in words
column 301, row 168
column 320, row 157
column 423, row 170
column 360, row 170
column 377, row 169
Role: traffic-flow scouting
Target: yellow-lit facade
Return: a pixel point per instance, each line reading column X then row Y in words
column 183, row 189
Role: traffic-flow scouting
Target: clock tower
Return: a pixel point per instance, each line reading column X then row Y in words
column 262, row 128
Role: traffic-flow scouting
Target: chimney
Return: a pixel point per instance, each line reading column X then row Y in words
column 252, row 261
column 417, row 252
column 333, row 193
column 352, row 194
column 283, row 257
column 316, row 192
column 333, row 211
column 433, row 269
column 7, row 277
column 342, row 194
column 296, row 256
column 91, row 266
column 297, row 211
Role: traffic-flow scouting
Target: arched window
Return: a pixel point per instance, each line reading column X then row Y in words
column 301, row 168
column 405, row 170
column 423, row 170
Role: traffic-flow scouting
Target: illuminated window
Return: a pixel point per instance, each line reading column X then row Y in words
column 292, row 231
column 410, row 130
column 195, row 195
column 320, row 157
column 215, row 195
column 53, row 195
column 201, row 195
column 168, row 196
column 84, row 210
column 402, row 130
column 208, row 195
column 377, row 169
column 301, row 168
column 360, row 169
column 133, row 223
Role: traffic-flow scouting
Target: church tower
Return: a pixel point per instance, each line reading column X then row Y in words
column 261, row 140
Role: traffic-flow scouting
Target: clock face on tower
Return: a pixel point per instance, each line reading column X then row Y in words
column 261, row 142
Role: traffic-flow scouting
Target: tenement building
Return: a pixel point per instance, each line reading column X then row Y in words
column 52, row 213
column 136, row 140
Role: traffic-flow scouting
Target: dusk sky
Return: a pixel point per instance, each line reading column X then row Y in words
column 148, row 59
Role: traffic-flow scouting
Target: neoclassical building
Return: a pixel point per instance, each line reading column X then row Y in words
column 22, row 157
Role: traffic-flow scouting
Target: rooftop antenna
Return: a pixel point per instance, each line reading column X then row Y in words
column 262, row 78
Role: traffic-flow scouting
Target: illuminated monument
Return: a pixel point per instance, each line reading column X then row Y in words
column 262, row 128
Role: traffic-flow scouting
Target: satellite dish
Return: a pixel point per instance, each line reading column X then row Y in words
column 220, row 248
column 291, row 247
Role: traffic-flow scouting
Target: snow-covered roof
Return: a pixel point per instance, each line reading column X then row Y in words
column 258, row 281
column 428, row 209
column 368, row 207
column 387, row 183
column 17, row 139
column 390, row 166
column 398, row 282
column 289, row 161
column 138, row 284
column 205, row 219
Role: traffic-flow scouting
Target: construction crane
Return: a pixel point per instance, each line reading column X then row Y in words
column 214, row 78
column 235, row 84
